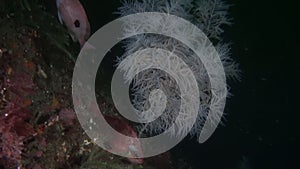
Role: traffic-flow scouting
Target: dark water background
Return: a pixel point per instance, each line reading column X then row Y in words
column 261, row 128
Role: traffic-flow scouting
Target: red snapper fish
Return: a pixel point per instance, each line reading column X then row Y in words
column 132, row 147
column 72, row 14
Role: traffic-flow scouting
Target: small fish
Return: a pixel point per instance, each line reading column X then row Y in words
column 131, row 146
column 72, row 14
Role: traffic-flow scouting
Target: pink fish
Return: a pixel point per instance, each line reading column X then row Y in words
column 130, row 146
column 73, row 15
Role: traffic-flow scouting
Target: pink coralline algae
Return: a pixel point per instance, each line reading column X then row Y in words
column 14, row 115
column 67, row 116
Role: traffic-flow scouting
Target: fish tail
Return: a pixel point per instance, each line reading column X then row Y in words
column 58, row 13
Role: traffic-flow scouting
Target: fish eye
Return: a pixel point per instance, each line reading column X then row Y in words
column 77, row 23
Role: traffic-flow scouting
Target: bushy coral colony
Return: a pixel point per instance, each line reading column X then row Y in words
column 38, row 127
column 210, row 16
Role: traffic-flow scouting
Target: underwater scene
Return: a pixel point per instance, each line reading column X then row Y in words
column 149, row 84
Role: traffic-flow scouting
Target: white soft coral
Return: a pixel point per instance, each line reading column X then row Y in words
column 210, row 16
